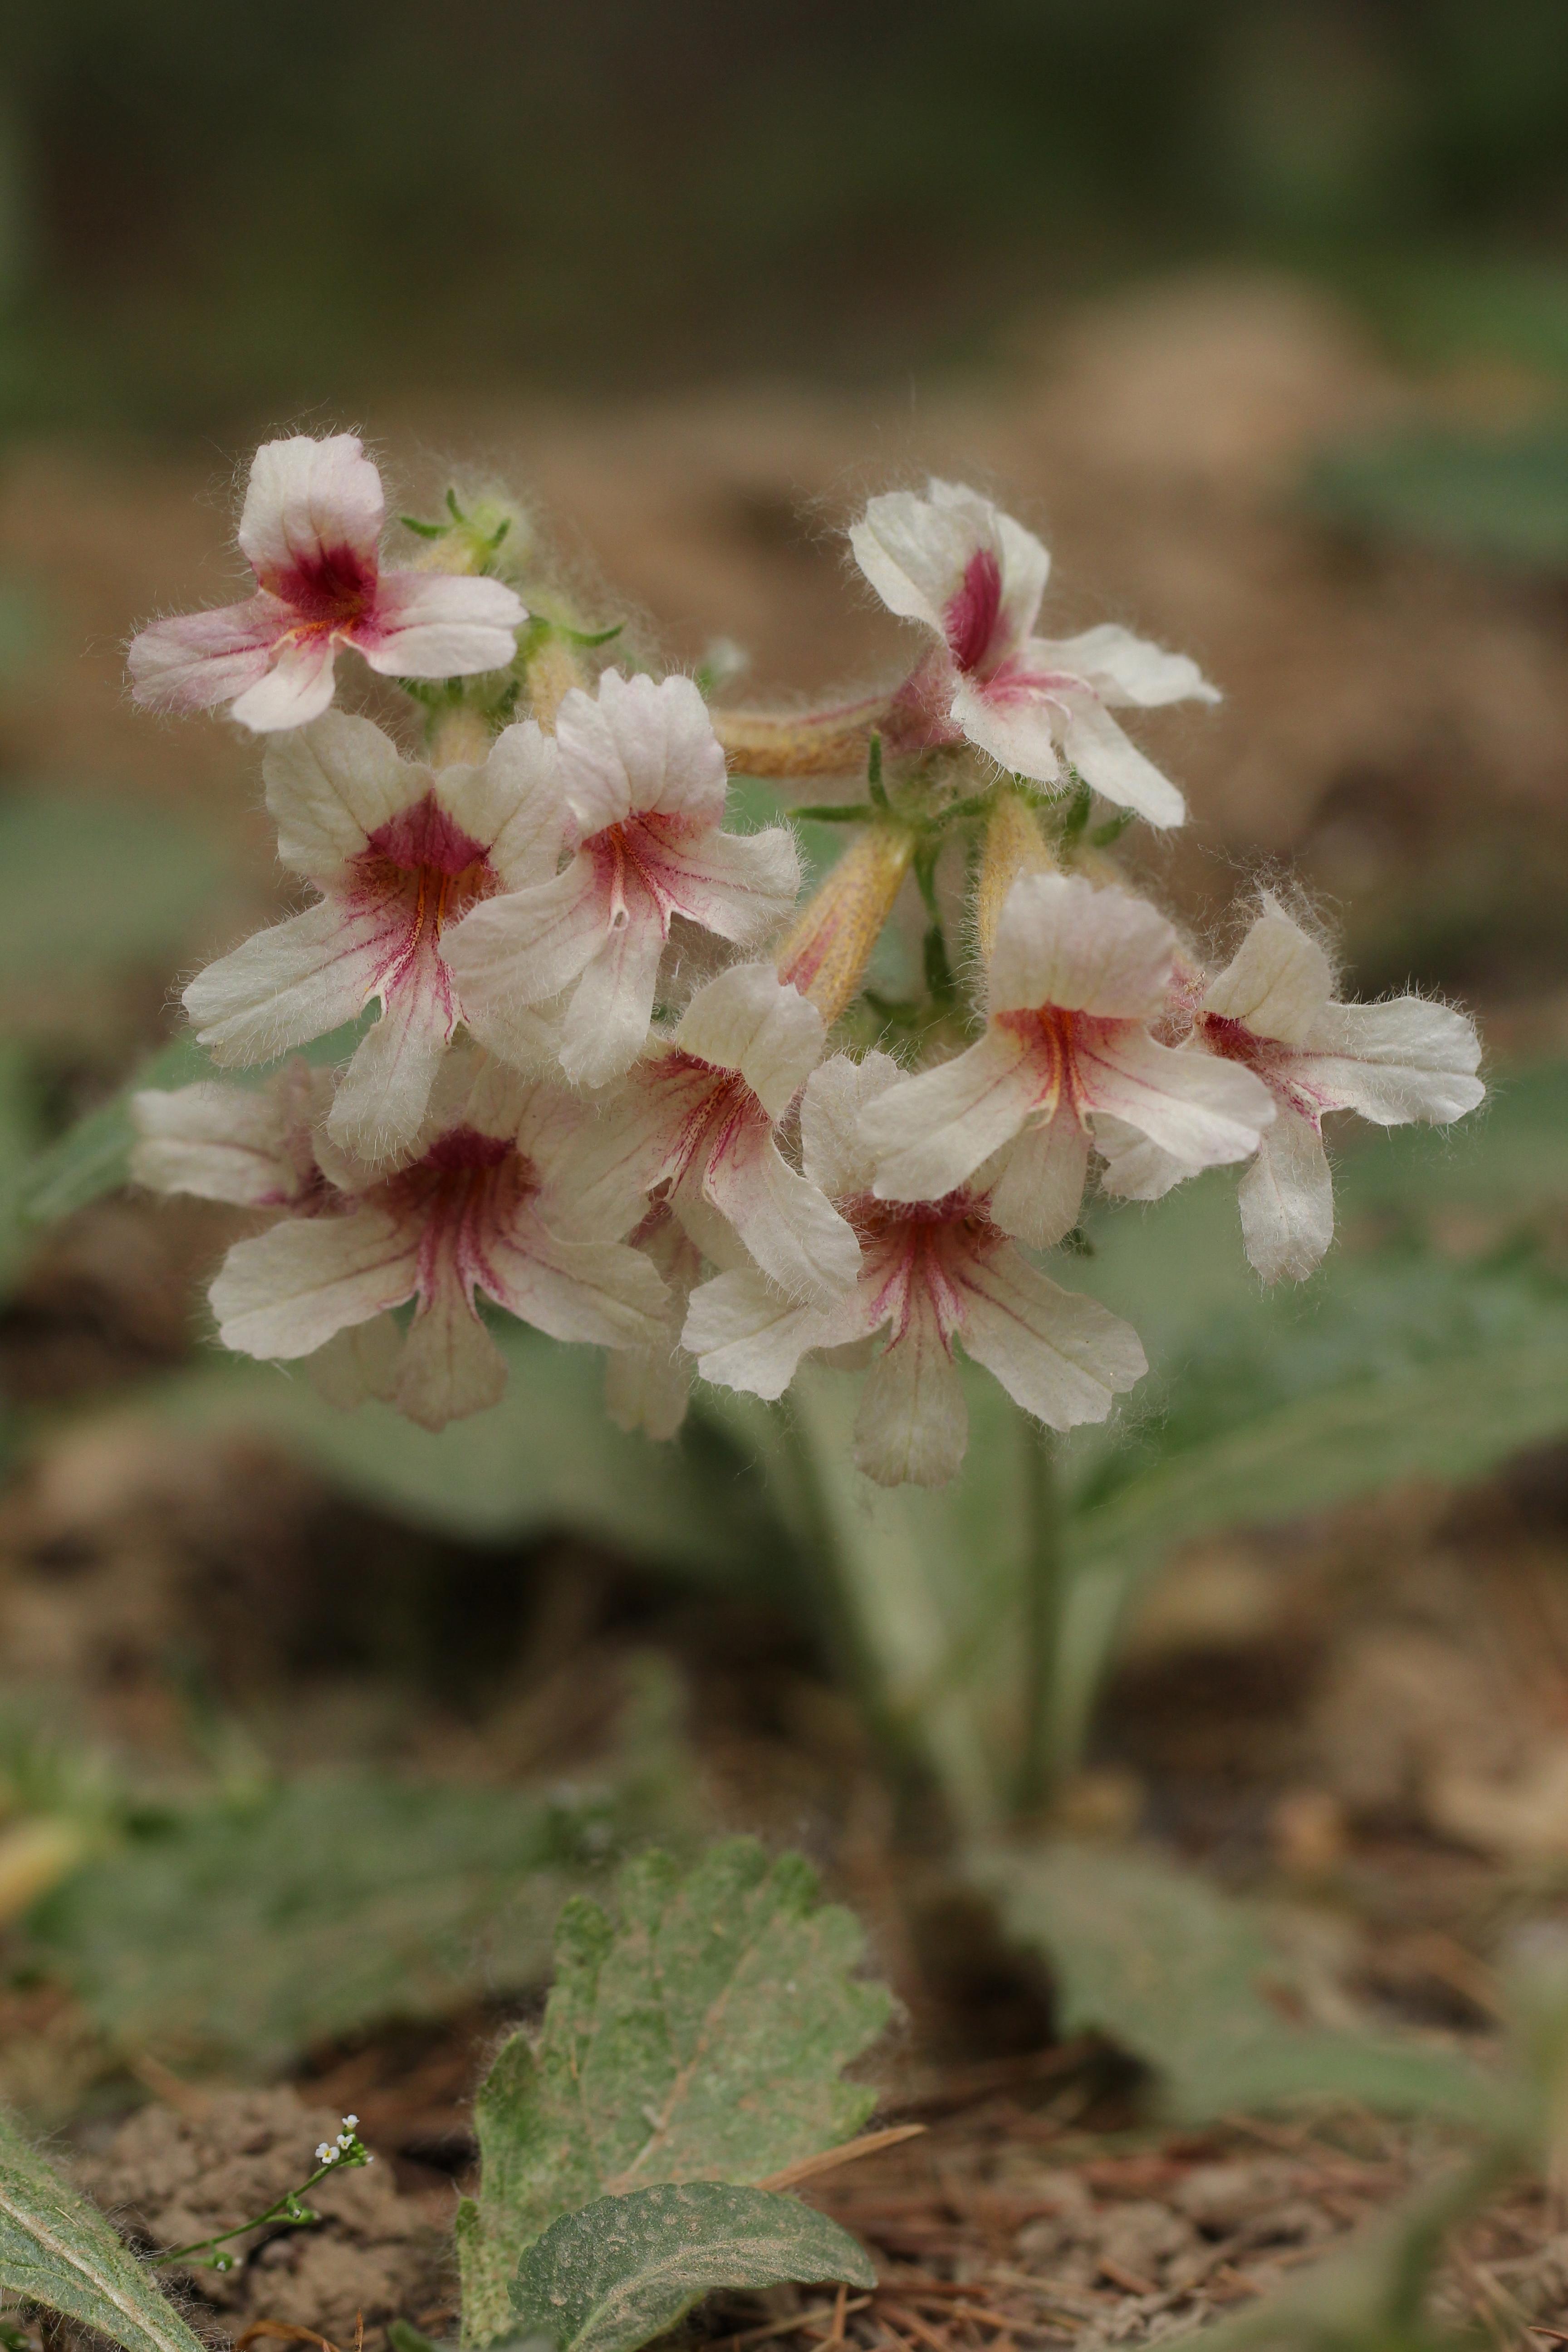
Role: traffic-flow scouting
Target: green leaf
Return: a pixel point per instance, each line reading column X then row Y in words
column 96, row 883
column 1178, row 1975
column 626, row 2269
column 58, row 2250
column 240, row 1933
column 703, row 2035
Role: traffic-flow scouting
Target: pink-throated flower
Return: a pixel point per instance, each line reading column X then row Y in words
column 484, row 1206
column 255, row 1146
column 310, row 530
column 1272, row 1012
column 932, row 1276
column 696, row 1121
column 975, row 577
column 642, row 783
column 398, row 852
column 1075, row 976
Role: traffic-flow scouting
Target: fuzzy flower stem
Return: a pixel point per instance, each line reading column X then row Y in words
column 551, row 671
column 1044, row 1595
column 1015, row 844
column 805, row 744
column 826, row 951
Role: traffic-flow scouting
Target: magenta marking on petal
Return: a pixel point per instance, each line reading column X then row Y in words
column 970, row 620
column 423, row 834
column 1011, row 682
column 464, row 1147
column 1269, row 1058
column 332, row 585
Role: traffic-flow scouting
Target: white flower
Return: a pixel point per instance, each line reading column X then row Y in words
column 255, row 1147
column 485, row 1206
column 1271, row 1010
column 698, row 1117
column 642, row 781
column 1075, row 976
column 398, row 852
column 971, row 574
column 930, row 1276
column 312, row 529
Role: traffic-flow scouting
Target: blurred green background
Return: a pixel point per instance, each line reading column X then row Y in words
column 207, row 211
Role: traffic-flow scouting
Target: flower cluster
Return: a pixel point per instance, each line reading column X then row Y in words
column 609, row 1077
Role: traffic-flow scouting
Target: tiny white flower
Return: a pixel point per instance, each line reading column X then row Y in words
column 324, row 2154
column 1272, row 1012
column 1077, row 975
column 975, row 578
column 350, row 2122
column 642, row 786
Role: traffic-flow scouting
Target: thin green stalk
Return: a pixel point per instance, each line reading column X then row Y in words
column 1045, row 1599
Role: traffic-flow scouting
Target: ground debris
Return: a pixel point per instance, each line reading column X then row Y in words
column 169, row 2179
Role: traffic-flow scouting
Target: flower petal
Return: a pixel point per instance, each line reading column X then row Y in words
column 739, row 885
column 296, row 689
column 385, row 1091
column 607, row 1019
column 913, row 1423
column 1287, row 1200
column 746, row 1333
column 1105, row 758
column 285, row 1292
column 523, row 948
column 1134, row 1168
column 1120, row 668
column 643, row 748
column 298, row 981
column 1396, row 1062
column 747, row 1019
column 330, row 785
column 791, row 1229
column 449, row 1366
column 1039, row 1191
column 1277, row 983
column 313, row 514
column 200, row 660
column 357, row 1364
column 922, row 555
column 833, row 1149
column 513, row 804
column 1060, row 941
column 601, row 1292
column 648, row 1389
column 1062, row 1357
column 1016, row 723
column 438, row 624
column 221, row 1143
column 928, row 1133
column 1204, row 1112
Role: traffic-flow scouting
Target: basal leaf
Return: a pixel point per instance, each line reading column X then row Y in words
column 703, row 2034
column 58, row 2250
column 625, row 2268
column 239, row 1934
column 1179, row 1976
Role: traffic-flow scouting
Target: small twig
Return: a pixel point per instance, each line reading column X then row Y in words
column 902, row 2316
column 796, row 2319
column 840, row 2313
column 165, row 2085
column 830, row 2158
column 284, row 2329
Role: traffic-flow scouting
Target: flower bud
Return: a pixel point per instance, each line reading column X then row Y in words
column 460, row 737
column 801, row 743
column 1015, row 844
column 550, row 668
column 492, row 535
column 827, row 948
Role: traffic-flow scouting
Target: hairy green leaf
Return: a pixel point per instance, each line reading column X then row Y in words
column 1180, row 1976
column 704, row 2034
column 625, row 2268
column 241, row 1933
column 58, row 2250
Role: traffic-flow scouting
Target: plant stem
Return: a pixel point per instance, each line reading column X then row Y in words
column 1044, row 1593
column 286, row 2207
